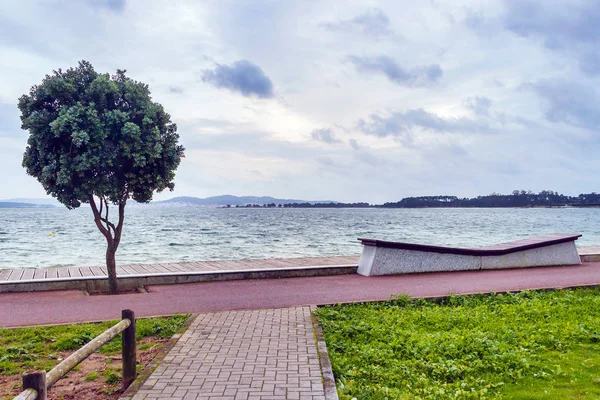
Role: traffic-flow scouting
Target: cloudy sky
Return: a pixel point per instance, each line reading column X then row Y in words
column 345, row 100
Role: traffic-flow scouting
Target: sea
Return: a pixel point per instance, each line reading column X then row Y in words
column 52, row 237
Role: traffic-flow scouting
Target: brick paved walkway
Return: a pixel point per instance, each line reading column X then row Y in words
column 256, row 354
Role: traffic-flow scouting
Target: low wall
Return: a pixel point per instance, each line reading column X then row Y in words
column 95, row 284
column 376, row 260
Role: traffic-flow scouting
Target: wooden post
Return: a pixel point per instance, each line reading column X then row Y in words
column 37, row 382
column 128, row 346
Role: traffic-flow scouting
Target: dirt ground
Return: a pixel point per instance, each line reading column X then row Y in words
column 75, row 386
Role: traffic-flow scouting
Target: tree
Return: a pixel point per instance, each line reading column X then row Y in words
column 99, row 139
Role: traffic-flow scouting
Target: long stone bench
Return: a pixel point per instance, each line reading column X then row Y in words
column 381, row 257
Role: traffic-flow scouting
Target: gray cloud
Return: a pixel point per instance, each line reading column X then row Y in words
column 475, row 20
column 570, row 27
column 370, row 158
column 373, row 22
column 550, row 22
column 419, row 76
column 401, row 124
column 479, row 105
column 354, row 144
column 569, row 102
column 176, row 89
column 326, row 161
column 114, row 5
column 325, row 136
column 589, row 63
column 242, row 76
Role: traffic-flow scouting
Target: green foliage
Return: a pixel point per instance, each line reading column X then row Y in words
column 91, row 377
column 467, row 347
column 156, row 327
column 74, row 341
column 111, row 376
column 146, row 346
column 110, row 390
column 93, row 134
column 23, row 349
column 16, row 353
column 160, row 327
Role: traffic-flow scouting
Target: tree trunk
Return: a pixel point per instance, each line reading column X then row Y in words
column 111, row 268
column 112, row 234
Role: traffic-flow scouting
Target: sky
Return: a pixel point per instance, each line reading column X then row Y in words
column 342, row 100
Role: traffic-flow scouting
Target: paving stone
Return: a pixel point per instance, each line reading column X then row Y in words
column 241, row 355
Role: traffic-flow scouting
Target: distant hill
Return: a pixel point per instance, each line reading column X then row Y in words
column 46, row 201
column 13, row 204
column 235, row 201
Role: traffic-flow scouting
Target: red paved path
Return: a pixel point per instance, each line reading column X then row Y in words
column 73, row 306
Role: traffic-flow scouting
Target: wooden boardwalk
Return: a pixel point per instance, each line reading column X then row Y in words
column 29, row 274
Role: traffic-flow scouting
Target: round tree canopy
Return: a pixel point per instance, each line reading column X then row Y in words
column 93, row 134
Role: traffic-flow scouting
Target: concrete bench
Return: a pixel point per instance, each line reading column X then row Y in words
column 381, row 257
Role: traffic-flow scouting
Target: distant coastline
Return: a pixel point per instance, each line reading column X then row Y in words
column 517, row 199
column 11, row 204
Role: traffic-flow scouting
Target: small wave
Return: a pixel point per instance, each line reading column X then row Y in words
column 59, row 265
column 178, row 244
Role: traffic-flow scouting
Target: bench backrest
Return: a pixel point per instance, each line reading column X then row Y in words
column 494, row 250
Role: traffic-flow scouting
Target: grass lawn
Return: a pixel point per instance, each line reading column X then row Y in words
column 530, row 345
column 41, row 348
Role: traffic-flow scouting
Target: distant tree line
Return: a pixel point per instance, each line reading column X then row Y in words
column 518, row 198
column 327, row 205
column 270, row 205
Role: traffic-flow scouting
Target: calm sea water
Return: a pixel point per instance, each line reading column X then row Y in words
column 161, row 234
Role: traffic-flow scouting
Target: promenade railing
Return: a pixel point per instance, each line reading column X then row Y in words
column 36, row 384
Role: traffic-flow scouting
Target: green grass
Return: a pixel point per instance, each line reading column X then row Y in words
column 91, row 377
column 111, row 376
column 25, row 349
column 531, row 345
column 146, row 346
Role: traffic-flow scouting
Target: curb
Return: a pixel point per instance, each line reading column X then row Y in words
column 439, row 298
column 326, row 371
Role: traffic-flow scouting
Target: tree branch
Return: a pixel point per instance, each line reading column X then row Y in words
column 109, row 224
column 98, row 220
column 104, row 219
column 106, row 204
column 119, row 228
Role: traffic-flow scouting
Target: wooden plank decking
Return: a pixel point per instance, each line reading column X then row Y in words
column 28, row 274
